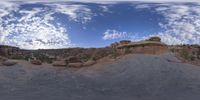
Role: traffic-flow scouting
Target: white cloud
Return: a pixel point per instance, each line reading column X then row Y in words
column 114, row 34
column 105, row 8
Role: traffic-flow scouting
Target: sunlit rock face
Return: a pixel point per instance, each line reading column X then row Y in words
column 45, row 25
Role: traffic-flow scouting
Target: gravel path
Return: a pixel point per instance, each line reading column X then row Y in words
column 133, row 77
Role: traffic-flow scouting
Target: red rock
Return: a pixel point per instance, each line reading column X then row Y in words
column 36, row 62
column 76, row 65
column 59, row 63
column 73, row 59
column 9, row 63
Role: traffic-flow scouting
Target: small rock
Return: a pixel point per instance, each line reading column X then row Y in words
column 76, row 65
column 2, row 59
column 9, row 63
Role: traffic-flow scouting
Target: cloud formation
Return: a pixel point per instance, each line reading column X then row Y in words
column 77, row 13
column 182, row 23
column 104, row 1
column 31, row 29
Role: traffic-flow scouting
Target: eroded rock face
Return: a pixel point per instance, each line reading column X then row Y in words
column 152, row 49
column 8, row 50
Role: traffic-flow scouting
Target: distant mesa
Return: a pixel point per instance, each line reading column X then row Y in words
column 152, row 45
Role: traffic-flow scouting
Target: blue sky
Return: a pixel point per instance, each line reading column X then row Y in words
column 63, row 24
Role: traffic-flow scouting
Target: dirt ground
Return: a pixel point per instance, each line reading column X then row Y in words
column 133, row 77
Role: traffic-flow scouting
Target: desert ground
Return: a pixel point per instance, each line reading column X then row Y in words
column 132, row 77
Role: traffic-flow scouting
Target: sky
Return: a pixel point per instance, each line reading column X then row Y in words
column 55, row 24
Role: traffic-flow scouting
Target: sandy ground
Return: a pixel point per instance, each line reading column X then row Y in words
column 133, row 77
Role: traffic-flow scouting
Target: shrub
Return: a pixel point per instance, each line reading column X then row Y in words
column 185, row 54
column 192, row 58
column 18, row 57
column 127, row 51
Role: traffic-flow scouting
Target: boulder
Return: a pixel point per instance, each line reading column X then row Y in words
column 2, row 59
column 76, row 65
column 9, row 63
column 59, row 63
column 89, row 63
column 72, row 59
column 36, row 62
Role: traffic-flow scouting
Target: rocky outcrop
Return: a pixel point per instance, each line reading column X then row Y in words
column 2, row 59
column 75, row 65
column 36, row 62
column 114, row 45
column 124, row 42
column 156, row 39
column 149, row 46
column 59, row 63
column 9, row 63
column 6, row 51
column 72, row 59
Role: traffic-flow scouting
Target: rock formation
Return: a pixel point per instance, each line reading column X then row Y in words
column 9, row 63
column 36, row 62
column 149, row 46
column 75, row 65
column 156, row 39
column 59, row 63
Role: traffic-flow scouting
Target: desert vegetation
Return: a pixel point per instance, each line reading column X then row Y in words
column 187, row 53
